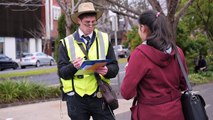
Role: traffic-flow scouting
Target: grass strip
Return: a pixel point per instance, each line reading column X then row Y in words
column 27, row 73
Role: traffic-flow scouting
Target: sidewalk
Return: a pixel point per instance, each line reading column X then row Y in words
column 53, row 110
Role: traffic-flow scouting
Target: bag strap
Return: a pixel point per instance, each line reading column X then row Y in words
column 182, row 68
column 98, row 78
column 83, row 50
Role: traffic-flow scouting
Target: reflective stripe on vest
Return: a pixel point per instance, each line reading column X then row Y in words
column 71, row 46
column 102, row 50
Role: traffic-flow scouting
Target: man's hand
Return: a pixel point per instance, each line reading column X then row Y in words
column 77, row 62
column 102, row 70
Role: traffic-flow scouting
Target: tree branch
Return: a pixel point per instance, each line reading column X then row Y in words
column 183, row 10
column 77, row 4
column 155, row 5
column 172, row 7
column 60, row 3
column 21, row 4
column 116, row 11
column 118, row 5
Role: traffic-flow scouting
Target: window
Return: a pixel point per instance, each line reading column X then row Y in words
column 1, row 45
column 4, row 58
column 22, row 46
column 56, row 12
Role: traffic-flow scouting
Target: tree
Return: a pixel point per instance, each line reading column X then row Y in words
column 172, row 9
column 25, row 4
column 201, row 12
column 68, row 7
column 197, row 22
column 134, row 38
column 132, row 9
column 61, row 34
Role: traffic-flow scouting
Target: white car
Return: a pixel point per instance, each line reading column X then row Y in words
column 121, row 51
column 36, row 59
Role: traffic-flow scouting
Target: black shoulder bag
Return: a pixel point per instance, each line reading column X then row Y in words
column 193, row 105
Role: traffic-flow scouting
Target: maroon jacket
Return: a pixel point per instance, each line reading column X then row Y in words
column 156, row 77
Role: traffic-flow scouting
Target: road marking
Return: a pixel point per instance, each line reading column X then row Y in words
column 9, row 119
column 195, row 92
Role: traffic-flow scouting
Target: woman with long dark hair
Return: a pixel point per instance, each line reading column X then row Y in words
column 153, row 74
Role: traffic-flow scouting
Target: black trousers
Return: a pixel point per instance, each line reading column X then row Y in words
column 82, row 108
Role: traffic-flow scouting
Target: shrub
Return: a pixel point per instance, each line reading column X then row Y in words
column 134, row 38
column 201, row 77
column 23, row 91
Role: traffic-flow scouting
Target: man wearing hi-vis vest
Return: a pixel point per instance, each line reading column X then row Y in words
column 86, row 43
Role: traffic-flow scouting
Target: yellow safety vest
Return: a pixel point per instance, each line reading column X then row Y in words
column 87, row 85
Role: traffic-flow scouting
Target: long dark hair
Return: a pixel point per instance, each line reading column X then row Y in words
column 160, row 36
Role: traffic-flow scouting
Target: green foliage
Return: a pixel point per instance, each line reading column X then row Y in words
column 201, row 77
column 57, row 41
column 193, row 32
column 61, row 26
column 8, row 91
column 27, row 73
column 199, row 16
column 62, row 33
column 202, row 11
column 209, row 60
column 192, row 46
column 23, row 91
column 134, row 38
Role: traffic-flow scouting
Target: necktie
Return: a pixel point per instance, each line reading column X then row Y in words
column 87, row 38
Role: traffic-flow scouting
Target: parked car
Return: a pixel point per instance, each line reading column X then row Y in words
column 36, row 59
column 7, row 63
column 121, row 51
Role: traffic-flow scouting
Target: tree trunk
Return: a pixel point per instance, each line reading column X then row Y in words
column 173, row 26
column 68, row 24
column 208, row 33
column 172, row 15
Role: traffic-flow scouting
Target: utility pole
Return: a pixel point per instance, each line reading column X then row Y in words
column 47, row 26
column 115, row 29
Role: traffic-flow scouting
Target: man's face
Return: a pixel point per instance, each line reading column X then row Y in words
column 87, row 24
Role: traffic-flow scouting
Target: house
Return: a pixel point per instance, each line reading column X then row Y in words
column 25, row 27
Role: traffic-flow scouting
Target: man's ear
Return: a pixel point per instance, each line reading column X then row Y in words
column 79, row 20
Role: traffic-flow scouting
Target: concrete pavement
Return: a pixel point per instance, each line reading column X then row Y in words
column 53, row 110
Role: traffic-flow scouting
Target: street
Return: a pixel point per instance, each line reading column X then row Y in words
column 52, row 79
